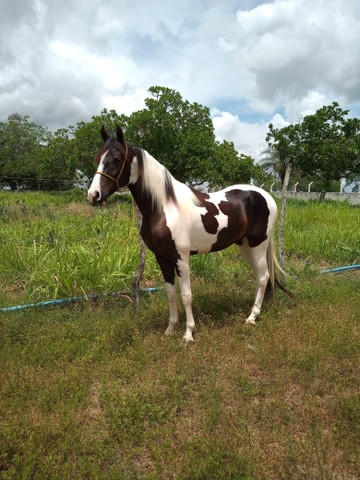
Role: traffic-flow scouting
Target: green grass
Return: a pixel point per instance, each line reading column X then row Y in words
column 95, row 391
column 326, row 232
column 65, row 249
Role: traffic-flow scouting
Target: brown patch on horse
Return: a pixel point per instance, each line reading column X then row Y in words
column 157, row 237
column 257, row 213
column 155, row 232
column 208, row 219
column 248, row 214
column 169, row 189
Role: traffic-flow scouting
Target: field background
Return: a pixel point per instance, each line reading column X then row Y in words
column 94, row 390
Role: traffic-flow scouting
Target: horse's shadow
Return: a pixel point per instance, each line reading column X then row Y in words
column 211, row 309
column 221, row 308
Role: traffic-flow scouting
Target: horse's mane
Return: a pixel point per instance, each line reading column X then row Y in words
column 158, row 183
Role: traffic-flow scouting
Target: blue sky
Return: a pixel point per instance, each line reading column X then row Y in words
column 250, row 62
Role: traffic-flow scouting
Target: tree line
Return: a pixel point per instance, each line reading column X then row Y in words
column 323, row 147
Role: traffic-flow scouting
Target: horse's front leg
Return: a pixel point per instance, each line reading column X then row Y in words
column 173, row 314
column 168, row 271
column 186, row 295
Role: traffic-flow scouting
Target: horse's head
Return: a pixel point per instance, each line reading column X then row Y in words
column 113, row 168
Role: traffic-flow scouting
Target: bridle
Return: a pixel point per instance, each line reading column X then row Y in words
column 116, row 179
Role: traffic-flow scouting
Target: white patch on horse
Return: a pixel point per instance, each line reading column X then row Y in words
column 134, row 173
column 154, row 180
column 96, row 183
column 154, row 176
column 173, row 319
column 187, row 227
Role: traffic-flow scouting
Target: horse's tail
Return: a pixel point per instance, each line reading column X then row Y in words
column 275, row 267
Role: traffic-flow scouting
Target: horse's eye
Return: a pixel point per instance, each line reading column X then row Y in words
column 112, row 161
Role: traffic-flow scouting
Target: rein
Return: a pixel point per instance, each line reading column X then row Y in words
column 116, row 180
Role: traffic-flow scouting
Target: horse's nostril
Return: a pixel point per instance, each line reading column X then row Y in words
column 94, row 197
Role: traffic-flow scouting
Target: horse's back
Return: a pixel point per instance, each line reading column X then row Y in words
column 243, row 195
column 222, row 218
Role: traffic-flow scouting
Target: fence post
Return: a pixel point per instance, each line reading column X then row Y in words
column 282, row 214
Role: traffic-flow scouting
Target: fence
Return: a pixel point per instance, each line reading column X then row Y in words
column 353, row 198
column 43, row 184
column 82, row 182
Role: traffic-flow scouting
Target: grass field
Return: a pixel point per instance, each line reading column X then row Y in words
column 95, row 391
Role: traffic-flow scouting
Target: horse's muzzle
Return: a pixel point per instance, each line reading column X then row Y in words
column 95, row 198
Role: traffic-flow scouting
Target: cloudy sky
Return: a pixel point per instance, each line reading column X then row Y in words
column 251, row 62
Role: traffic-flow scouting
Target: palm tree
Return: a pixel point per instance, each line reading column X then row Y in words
column 272, row 164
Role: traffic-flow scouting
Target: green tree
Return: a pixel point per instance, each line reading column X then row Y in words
column 330, row 145
column 178, row 133
column 57, row 162
column 87, row 139
column 21, row 146
column 323, row 147
column 228, row 167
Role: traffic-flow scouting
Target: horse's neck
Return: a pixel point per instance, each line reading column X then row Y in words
column 148, row 183
column 139, row 197
column 154, row 188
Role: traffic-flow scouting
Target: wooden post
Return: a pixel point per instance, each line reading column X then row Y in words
column 282, row 214
column 141, row 267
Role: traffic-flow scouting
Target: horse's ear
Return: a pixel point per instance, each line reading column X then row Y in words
column 104, row 134
column 120, row 135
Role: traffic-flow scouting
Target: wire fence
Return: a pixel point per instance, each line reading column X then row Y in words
column 16, row 184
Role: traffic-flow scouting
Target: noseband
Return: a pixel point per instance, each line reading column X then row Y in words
column 116, row 180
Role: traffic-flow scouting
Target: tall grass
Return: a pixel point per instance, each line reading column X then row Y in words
column 54, row 245
column 323, row 232
column 55, row 250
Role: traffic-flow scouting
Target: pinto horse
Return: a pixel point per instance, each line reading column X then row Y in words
column 179, row 221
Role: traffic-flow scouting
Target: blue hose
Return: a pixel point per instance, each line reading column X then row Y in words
column 62, row 301
column 340, row 269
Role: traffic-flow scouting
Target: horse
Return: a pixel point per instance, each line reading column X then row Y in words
column 179, row 221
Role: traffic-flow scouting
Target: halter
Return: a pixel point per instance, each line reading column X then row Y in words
column 116, row 180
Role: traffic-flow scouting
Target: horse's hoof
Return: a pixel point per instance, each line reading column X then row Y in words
column 188, row 338
column 250, row 321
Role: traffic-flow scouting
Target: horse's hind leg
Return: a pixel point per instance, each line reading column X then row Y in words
column 257, row 259
column 168, row 271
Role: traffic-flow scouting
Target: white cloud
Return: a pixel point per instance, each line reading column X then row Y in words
column 126, row 103
column 306, row 106
column 248, row 138
column 298, row 46
column 62, row 62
